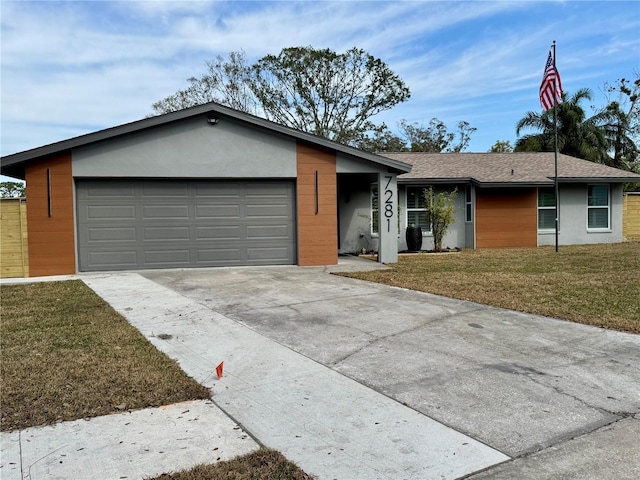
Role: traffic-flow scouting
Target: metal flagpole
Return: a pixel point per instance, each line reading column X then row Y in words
column 555, row 129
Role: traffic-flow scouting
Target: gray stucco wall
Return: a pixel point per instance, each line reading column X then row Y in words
column 573, row 218
column 456, row 234
column 191, row 148
column 348, row 164
column 355, row 217
column 354, row 213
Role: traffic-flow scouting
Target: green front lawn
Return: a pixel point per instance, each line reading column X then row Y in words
column 591, row 284
column 66, row 354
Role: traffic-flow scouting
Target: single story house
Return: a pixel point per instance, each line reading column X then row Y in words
column 504, row 200
column 211, row 186
column 204, row 186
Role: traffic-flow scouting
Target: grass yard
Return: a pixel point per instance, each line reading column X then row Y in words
column 591, row 284
column 262, row 465
column 66, row 355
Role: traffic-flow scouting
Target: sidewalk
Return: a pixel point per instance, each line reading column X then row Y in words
column 132, row 445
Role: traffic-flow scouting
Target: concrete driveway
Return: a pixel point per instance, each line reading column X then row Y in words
column 561, row 399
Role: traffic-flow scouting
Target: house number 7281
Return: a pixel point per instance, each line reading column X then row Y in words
column 388, row 202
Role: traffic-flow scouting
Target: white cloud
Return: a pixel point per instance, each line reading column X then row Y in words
column 69, row 68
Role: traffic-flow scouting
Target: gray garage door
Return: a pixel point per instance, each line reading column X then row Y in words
column 126, row 225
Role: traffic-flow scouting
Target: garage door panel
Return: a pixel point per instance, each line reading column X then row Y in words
column 227, row 256
column 219, row 191
column 106, row 234
column 163, row 190
column 273, row 210
column 110, row 212
column 273, row 189
column 166, row 211
column 265, row 232
column 166, row 233
column 223, row 232
column 104, row 190
column 109, row 259
column 167, row 258
column 218, row 223
column 217, row 211
column 267, row 253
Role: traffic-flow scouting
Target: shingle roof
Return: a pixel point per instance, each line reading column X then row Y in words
column 506, row 168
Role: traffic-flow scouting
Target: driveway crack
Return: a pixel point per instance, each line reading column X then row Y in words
column 395, row 334
column 559, row 390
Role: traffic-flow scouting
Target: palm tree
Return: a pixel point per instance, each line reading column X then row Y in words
column 619, row 131
column 578, row 135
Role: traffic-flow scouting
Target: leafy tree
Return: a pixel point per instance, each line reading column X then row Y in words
column 227, row 81
column 382, row 141
column 501, row 146
column 435, row 138
column 440, row 213
column 330, row 94
column 413, row 137
column 578, row 135
column 12, row 189
column 620, row 120
column 326, row 93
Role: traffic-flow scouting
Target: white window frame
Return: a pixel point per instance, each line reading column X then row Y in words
column 600, row 207
column 421, row 189
column 374, row 212
column 553, row 207
column 468, row 204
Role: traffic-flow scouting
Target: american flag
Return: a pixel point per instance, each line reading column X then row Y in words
column 551, row 77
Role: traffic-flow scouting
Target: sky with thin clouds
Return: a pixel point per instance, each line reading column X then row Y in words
column 70, row 68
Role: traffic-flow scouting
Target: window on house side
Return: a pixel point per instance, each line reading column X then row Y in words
column 598, row 214
column 416, row 209
column 546, row 208
column 467, row 202
column 374, row 209
column 375, row 218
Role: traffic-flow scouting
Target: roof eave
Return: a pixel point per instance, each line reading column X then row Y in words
column 493, row 184
column 209, row 108
column 434, row 181
column 598, row 180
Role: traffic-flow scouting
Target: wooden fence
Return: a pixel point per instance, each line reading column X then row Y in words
column 14, row 255
column 631, row 216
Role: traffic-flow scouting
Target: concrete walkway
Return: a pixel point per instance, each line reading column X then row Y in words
column 136, row 445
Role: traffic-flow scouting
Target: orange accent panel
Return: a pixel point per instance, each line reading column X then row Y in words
column 51, row 238
column 317, row 233
column 506, row 217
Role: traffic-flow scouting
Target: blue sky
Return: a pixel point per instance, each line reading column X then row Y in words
column 69, row 68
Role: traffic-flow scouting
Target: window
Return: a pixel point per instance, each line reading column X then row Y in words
column 598, row 207
column 374, row 209
column 546, row 208
column 375, row 218
column 416, row 209
column 467, row 204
